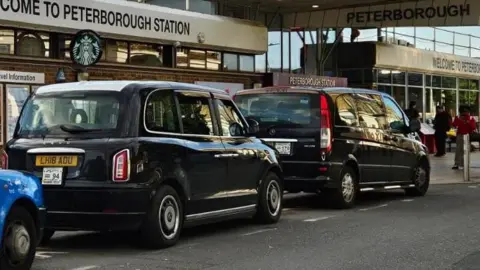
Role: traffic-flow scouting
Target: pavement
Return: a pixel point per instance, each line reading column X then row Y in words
column 442, row 172
column 385, row 231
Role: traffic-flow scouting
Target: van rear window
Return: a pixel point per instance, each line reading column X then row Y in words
column 294, row 109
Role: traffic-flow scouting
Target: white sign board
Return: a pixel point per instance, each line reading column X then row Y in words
column 135, row 20
column 21, row 77
column 230, row 88
column 393, row 56
column 414, row 13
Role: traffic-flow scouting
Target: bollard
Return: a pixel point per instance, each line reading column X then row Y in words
column 466, row 157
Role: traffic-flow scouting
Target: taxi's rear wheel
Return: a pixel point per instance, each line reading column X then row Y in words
column 164, row 221
column 19, row 240
column 46, row 236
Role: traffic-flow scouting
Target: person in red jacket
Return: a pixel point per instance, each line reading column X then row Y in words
column 465, row 124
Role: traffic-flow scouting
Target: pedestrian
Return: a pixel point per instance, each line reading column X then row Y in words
column 465, row 124
column 442, row 124
column 412, row 112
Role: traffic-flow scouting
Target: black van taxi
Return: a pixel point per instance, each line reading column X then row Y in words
column 339, row 141
column 144, row 156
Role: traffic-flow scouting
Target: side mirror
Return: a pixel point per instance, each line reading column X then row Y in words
column 236, row 129
column 415, row 125
column 253, row 126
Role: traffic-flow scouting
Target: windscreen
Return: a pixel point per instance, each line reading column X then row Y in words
column 78, row 112
column 280, row 109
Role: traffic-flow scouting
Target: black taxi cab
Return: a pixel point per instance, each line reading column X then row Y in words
column 150, row 157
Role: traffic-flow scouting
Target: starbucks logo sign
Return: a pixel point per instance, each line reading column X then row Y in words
column 86, row 48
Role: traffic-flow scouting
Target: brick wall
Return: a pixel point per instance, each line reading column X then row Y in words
column 106, row 71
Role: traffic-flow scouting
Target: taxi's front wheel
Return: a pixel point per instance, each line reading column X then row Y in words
column 19, row 240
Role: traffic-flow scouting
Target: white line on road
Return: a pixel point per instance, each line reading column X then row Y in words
column 374, row 207
column 259, row 231
column 317, row 219
column 88, row 267
column 472, row 186
column 47, row 254
column 408, row 200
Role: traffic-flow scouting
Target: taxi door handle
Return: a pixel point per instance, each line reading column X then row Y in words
column 390, row 138
column 226, row 155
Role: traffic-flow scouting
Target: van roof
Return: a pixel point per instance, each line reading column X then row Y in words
column 120, row 85
column 300, row 89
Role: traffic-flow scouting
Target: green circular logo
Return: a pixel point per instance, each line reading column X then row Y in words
column 86, row 48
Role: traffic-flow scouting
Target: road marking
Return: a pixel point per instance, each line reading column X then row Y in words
column 317, row 219
column 408, row 200
column 259, row 231
column 47, row 254
column 88, row 267
column 374, row 207
column 472, row 186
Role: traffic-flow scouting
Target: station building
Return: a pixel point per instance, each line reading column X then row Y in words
column 140, row 42
column 233, row 45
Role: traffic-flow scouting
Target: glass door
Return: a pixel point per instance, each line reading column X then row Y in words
column 16, row 96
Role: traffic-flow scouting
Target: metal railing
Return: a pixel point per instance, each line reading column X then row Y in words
column 437, row 39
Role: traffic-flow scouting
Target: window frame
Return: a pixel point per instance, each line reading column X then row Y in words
column 176, row 116
column 405, row 122
column 354, row 107
column 216, row 99
column 382, row 104
column 211, row 107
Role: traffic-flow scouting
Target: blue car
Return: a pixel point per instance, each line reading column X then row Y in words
column 22, row 217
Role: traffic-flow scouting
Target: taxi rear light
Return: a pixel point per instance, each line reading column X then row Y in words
column 121, row 166
column 4, row 160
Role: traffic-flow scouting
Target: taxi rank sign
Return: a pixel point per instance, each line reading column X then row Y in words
column 417, row 13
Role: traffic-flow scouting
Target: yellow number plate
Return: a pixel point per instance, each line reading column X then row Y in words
column 56, row 161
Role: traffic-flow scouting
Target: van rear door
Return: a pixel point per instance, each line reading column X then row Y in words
column 290, row 122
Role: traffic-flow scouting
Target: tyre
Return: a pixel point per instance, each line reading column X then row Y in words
column 164, row 220
column 270, row 200
column 345, row 196
column 46, row 236
column 19, row 240
column 421, row 180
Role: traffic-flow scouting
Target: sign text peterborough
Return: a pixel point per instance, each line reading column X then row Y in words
column 456, row 65
column 52, row 9
column 408, row 14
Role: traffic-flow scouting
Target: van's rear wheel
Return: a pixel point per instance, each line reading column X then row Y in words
column 344, row 196
column 164, row 221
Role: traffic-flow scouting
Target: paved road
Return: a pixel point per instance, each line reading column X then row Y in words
column 386, row 231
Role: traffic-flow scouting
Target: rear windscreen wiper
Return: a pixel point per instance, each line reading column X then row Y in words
column 76, row 129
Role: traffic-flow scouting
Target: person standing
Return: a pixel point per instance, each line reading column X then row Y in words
column 465, row 124
column 412, row 112
column 442, row 124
